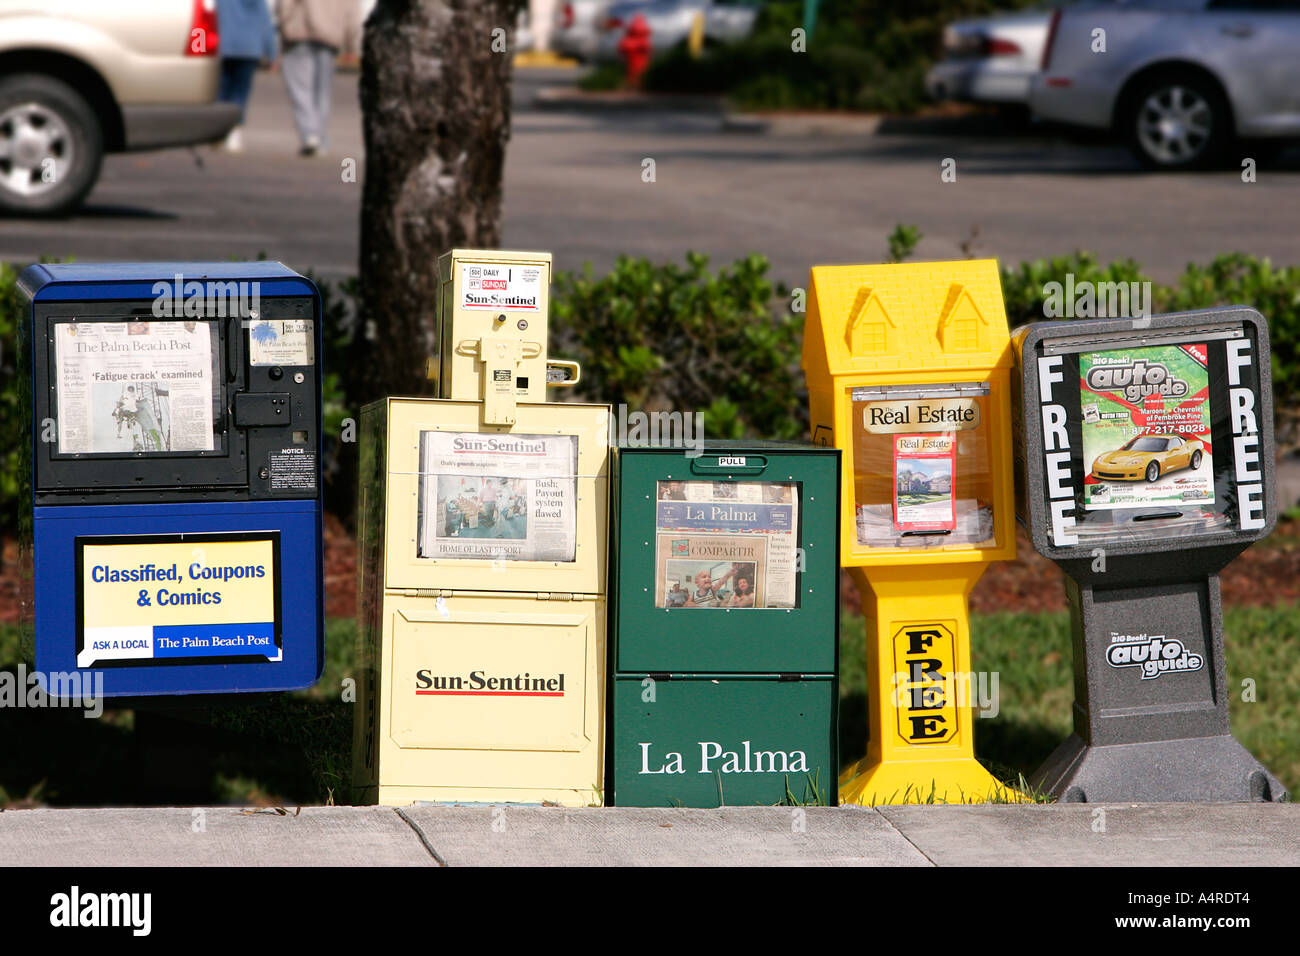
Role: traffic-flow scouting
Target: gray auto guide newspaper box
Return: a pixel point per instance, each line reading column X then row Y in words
column 1144, row 465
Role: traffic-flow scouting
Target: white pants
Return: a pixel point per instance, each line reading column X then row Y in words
column 309, row 77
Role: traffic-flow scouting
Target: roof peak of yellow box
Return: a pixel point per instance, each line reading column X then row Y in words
column 910, row 315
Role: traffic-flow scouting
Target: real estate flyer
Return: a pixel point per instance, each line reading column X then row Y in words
column 924, row 466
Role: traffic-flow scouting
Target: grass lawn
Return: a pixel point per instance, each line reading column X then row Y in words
column 1030, row 653
column 296, row 748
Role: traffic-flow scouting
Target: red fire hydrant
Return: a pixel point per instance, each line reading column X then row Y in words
column 635, row 49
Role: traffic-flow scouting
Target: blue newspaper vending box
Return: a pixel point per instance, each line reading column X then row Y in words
column 175, row 415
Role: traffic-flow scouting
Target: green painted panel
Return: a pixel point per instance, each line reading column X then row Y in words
column 715, row 741
column 684, row 528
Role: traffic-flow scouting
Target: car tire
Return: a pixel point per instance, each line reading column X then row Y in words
column 1177, row 120
column 1196, row 460
column 1152, row 472
column 51, row 146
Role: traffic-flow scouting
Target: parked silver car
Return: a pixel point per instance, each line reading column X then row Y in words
column 726, row 21
column 991, row 59
column 671, row 21
column 1178, row 79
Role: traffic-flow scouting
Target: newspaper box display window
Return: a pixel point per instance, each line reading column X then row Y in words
column 726, row 544
column 724, row 624
column 141, row 387
column 1147, row 450
column 510, row 498
column 174, row 465
column 922, row 469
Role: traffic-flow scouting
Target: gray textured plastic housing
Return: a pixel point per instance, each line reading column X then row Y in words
column 1151, row 696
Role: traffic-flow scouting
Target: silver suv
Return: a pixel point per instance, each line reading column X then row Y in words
column 80, row 78
column 1178, row 79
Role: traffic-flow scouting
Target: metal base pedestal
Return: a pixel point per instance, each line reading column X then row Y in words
column 1203, row 769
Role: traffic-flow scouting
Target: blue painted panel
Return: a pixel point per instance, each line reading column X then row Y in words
column 300, row 604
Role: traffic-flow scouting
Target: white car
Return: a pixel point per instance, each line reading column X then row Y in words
column 990, row 60
column 726, row 21
column 81, row 78
column 575, row 31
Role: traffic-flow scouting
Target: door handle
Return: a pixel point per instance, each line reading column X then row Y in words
column 1239, row 31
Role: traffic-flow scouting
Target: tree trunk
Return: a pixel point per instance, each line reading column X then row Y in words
column 435, row 100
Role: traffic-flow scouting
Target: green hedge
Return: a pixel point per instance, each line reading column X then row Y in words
column 13, row 430
column 763, row 73
column 725, row 343
column 668, row 338
column 868, row 55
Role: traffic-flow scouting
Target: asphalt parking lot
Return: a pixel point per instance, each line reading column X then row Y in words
column 574, row 186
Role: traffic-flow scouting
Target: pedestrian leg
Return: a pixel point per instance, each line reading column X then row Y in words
column 298, row 67
column 325, row 57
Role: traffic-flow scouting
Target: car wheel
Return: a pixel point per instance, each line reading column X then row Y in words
column 1153, row 471
column 1177, row 121
column 51, row 145
column 1196, row 460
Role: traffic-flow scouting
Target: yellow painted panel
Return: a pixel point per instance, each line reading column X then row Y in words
column 485, row 681
column 924, row 685
column 432, row 747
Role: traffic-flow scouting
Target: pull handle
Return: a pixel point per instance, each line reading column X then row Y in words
column 716, row 463
column 561, row 366
column 471, row 347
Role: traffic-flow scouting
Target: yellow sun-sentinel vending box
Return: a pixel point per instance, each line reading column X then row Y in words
column 491, row 331
column 908, row 371
column 482, row 569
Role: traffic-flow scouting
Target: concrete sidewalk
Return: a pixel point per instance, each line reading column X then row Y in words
column 1060, row 835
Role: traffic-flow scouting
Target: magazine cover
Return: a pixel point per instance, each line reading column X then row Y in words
column 923, row 482
column 1146, row 427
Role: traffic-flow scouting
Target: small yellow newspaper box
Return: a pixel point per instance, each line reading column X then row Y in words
column 482, row 563
column 908, row 370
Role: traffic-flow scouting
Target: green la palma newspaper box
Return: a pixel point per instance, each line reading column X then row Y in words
column 724, row 625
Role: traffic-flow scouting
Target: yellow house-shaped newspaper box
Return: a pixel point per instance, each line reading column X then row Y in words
column 908, row 369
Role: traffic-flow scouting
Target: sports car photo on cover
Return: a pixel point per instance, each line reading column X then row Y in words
column 1149, row 457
